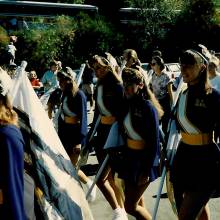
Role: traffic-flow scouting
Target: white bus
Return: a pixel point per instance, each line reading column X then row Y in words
column 44, row 9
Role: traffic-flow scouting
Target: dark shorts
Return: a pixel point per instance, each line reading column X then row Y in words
column 69, row 135
column 196, row 167
column 133, row 165
column 99, row 141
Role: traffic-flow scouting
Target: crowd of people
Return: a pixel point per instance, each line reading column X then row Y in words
column 132, row 110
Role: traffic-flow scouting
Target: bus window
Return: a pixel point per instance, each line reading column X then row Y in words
column 28, row 14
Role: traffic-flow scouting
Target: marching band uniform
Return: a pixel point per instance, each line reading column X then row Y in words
column 140, row 158
column 109, row 108
column 72, row 123
column 142, row 152
column 11, row 173
column 11, row 157
column 109, row 104
column 196, row 163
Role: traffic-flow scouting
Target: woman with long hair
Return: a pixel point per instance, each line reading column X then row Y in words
column 195, row 170
column 109, row 105
column 72, row 122
column 142, row 148
column 11, row 157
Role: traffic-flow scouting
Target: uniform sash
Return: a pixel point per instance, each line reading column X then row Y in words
column 181, row 115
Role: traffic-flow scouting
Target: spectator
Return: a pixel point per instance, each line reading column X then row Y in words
column 49, row 78
column 35, row 82
column 214, row 75
column 157, row 53
column 159, row 84
column 11, row 52
column 12, row 70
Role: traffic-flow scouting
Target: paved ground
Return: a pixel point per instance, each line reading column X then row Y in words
column 102, row 211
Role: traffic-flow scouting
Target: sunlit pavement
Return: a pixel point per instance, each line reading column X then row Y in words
column 102, row 211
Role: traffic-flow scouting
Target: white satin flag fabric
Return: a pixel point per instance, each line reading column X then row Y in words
column 61, row 196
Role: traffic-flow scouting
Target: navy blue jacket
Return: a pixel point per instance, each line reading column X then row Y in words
column 144, row 119
column 11, row 173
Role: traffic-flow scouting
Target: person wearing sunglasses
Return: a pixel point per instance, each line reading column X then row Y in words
column 195, row 170
column 159, row 85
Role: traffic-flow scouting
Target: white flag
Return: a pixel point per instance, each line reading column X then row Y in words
column 61, row 194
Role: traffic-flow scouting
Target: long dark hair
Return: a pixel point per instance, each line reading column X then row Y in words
column 194, row 57
column 159, row 62
column 135, row 76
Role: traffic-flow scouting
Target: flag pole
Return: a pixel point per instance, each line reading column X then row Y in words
column 171, row 147
column 85, row 150
column 79, row 76
column 98, row 175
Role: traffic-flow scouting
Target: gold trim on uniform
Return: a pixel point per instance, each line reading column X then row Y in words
column 108, row 120
column 135, row 144
column 71, row 119
column 197, row 139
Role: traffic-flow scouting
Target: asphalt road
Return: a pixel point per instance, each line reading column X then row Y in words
column 102, row 211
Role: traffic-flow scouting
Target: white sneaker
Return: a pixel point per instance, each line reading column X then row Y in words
column 124, row 214
column 92, row 195
column 119, row 214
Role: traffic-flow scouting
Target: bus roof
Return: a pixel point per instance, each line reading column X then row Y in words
column 30, row 8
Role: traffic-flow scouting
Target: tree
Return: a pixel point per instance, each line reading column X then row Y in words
column 70, row 40
column 198, row 23
column 154, row 18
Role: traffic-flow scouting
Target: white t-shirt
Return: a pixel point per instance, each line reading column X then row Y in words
column 11, row 49
column 215, row 82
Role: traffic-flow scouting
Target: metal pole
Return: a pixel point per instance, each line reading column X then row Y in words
column 98, row 175
column 173, row 142
column 85, row 150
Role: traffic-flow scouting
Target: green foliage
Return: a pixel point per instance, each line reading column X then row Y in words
column 70, row 40
column 154, row 18
column 4, row 38
column 45, row 44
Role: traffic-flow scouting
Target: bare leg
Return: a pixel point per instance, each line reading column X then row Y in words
column 192, row 205
column 106, row 188
column 133, row 195
column 74, row 159
column 115, row 187
column 205, row 214
column 141, row 202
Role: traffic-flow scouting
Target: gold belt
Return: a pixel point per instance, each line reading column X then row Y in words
column 135, row 144
column 108, row 120
column 1, row 197
column 197, row 139
column 71, row 119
